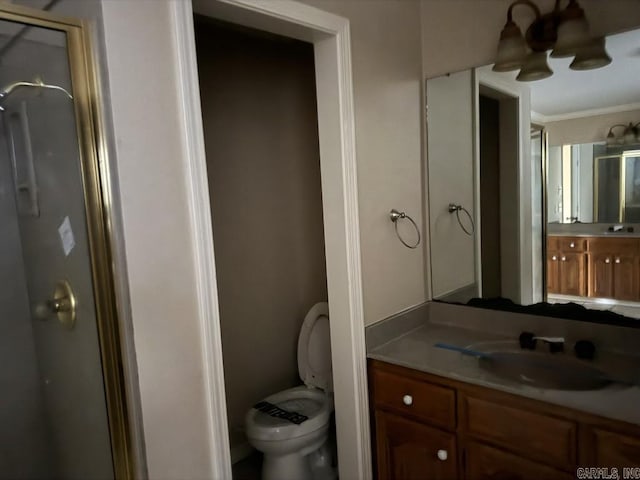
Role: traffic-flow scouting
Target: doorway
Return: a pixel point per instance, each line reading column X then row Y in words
column 489, row 112
column 329, row 35
column 260, row 121
column 499, row 191
column 520, row 168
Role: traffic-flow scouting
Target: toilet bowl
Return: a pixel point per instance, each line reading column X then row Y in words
column 295, row 447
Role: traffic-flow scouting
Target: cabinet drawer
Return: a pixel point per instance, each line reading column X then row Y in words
column 483, row 462
column 540, row 437
column 431, row 403
column 572, row 244
column 615, row 450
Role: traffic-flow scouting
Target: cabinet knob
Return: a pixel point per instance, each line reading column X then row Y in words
column 617, row 260
column 572, row 245
column 407, row 400
column 442, row 455
column 607, row 260
column 554, row 258
column 564, row 259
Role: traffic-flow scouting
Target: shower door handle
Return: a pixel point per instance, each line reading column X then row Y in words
column 62, row 304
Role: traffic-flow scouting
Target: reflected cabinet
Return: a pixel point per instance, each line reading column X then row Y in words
column 597, row 267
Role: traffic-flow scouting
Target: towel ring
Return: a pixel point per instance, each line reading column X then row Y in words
column 457, row 208
column 395, row 215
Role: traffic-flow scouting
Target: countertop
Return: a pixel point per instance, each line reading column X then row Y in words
column 415, row 349
column 596, row 234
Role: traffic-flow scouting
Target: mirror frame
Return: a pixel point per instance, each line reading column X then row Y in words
column 95, row 173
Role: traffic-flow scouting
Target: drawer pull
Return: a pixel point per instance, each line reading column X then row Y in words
column 617, row 260
column 442, row 455
column 407, row 400
column 554, row 258
column 572, row 245
column 607, row 260
column 564, row 259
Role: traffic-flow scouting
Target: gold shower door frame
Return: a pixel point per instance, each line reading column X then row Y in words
column 98, row 207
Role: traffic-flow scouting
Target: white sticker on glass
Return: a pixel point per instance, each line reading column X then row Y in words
column 66, row 236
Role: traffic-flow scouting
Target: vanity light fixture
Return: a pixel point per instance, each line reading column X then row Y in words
column 630, row 135
column 564, row 32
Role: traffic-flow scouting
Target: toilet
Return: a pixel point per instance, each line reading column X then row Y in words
column 296, row 448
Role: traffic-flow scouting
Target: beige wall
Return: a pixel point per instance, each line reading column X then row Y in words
column 451, row 148
column 385, row 47
column 155, row 217
column 459, row 34
column 591, row 129
column 261, row 136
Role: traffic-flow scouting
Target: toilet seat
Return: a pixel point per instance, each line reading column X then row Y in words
column 313, row 403
column 313, row 399
column 314, row 349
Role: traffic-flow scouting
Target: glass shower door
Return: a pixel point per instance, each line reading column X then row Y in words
column 53, row 408
column 608, row 187
column 631, row 165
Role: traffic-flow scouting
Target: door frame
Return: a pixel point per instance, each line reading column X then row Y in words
column 330, row 35
column 516, row 143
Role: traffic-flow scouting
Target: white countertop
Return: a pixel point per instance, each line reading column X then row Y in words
column 596, row 234
column 415, row 349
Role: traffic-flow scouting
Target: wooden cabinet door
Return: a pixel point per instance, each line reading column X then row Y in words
column 482, row 462
column 553, row 272
column 610, row 449
column 572, row 274
column 626, row 277
column 601, row 275
column 408, row 450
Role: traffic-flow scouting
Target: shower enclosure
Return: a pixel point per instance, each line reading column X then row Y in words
column 62, row 408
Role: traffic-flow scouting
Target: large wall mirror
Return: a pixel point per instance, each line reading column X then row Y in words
column 534, row 187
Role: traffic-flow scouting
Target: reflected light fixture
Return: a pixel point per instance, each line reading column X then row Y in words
column 630, row 135
column 564, row 32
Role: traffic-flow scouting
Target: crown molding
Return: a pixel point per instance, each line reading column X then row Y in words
column 541, row 118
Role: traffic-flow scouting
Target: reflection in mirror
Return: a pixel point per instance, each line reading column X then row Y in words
column 593, row 183
column 550, row 171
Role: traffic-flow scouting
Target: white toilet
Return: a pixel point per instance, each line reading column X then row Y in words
column 299, row 451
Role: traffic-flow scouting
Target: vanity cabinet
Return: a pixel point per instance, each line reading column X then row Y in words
column 426, row 426
column 413, row 449
column 415, row 424
column 607, row 448
column 614, row 268
column 485, row 462
column 566, row 266
column 596, row 267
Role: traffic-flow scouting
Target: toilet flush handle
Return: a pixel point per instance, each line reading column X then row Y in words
column 407, row 400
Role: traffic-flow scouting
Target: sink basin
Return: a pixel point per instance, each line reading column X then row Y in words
column 540, row 369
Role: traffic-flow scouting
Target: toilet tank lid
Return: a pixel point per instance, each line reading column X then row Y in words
column 314, row 349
